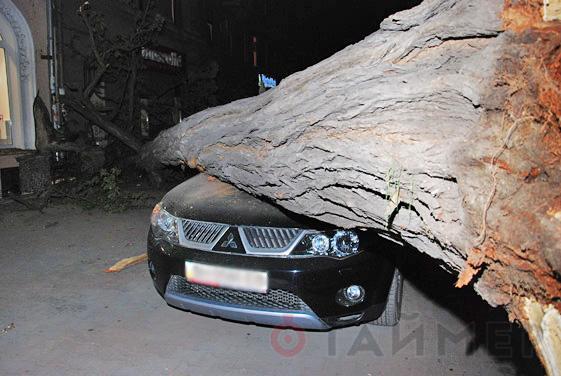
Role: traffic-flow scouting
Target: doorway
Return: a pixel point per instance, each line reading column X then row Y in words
column 5, row 118
column 17, row 80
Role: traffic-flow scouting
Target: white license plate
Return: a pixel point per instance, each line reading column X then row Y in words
column 230, row 278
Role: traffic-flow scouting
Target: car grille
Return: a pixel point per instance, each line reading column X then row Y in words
column 274, row 299
column 270, row 237
column 202, row 232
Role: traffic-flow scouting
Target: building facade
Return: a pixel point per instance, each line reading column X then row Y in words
column 203, row 56
column 208, row 52
column 24, row 72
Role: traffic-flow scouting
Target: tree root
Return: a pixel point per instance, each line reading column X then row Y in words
column 483, row 233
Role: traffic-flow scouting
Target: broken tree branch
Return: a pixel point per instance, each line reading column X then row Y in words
column 88, row 112
column 100, row 71
column 83, row 12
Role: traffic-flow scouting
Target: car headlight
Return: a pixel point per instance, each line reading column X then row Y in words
column 164, row 225
column 339, row 244
column 320, row 244
column 344, row 243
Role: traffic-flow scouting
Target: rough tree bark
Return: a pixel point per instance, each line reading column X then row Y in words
column 441, row 129
column 45, row 139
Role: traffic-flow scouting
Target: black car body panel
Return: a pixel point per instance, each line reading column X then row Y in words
column 316, row 280
column 207, row 199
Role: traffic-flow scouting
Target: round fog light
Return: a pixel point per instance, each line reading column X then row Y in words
column 354, row 293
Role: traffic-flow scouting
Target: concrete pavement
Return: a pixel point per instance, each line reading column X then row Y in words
column 70, row 318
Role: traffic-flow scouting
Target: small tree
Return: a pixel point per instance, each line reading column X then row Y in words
column 115, row 59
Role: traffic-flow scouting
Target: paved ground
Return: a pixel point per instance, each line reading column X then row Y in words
column 71, row 318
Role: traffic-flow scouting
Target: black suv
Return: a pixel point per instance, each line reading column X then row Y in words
column 218, row 251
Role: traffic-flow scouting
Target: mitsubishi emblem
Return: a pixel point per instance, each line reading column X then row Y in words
column 230, row 242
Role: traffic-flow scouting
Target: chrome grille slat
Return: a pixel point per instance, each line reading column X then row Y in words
column 284, row 237
column 255, row 240
column 196, row 232
column 207, row 233
column 187, row 226
column 192, row 229
column 204, row 233
column 270, row 238
column 214, row 230
column 266, row 238
column 278, row 239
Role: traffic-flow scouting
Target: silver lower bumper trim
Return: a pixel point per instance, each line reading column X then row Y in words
column 291, row 319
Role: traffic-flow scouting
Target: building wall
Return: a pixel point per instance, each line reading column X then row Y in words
column 24, row 23
column 35, row 12
column 25, row 26
column 184, row 33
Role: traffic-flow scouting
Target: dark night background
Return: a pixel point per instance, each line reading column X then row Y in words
column 291, row 35
column 222, row 45
column 297, row 34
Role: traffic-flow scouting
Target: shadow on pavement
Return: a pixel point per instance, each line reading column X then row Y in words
column 489, row 327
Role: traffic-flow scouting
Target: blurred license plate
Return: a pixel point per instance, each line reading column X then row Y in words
column 230, row 278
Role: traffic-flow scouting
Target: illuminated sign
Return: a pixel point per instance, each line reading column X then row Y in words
column 267, row 82
column 167, row 58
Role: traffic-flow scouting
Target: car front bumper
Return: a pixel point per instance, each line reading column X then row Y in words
column 303, row 318
column 302, row 291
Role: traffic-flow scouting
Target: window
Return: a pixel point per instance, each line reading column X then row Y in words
column 17, row 80
column 5, row 118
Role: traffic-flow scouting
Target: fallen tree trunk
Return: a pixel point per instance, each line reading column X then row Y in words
column 441, row 129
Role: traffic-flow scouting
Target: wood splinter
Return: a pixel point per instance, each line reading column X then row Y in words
column 126, row 262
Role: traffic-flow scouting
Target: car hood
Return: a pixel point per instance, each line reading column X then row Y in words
column 205, row 198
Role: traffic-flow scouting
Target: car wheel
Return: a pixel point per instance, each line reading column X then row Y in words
column 392, row 313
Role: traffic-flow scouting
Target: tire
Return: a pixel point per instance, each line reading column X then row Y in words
column 392, row 312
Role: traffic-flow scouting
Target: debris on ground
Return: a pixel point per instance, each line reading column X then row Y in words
column 7, row 329
column 126, row 262
column 50, row 224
